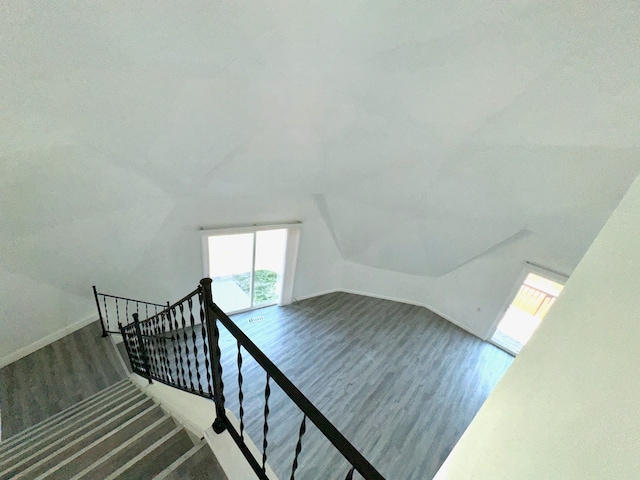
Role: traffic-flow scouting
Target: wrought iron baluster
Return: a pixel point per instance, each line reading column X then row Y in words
column 117, row 311
column 161, row 347
column 218, row 354
column 240, row 394
column 186, row 344
column 303, row 428
column 159, row 339
column 141, row 339
column 194, row 337
column 102, row 323
column 350, row 474
column 126, row 312
column 205, row 349
column 174, row 361
column 134, row 350
column 163, row 331
column 179, row 359
column 138, row 345
column 265, row 428
column 106, row 313
column 130, row 347
column 143, row 350
column 150, row 340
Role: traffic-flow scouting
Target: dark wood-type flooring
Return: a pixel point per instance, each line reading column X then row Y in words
column 401, row 383
column 56, row 377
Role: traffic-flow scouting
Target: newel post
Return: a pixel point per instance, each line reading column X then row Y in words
column 104, row 329
column 213, row 338
column 143, row 349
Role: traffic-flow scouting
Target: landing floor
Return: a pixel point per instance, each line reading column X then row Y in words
column 400, row 382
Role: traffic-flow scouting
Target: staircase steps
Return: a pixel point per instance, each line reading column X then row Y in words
column 197, row 463
column 65, row 416
column 117, row 433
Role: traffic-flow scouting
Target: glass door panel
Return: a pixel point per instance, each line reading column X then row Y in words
column 231, row 267
column 269, row 266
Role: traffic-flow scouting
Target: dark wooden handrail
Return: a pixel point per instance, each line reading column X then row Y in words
column 132, row 300
column 104, row 320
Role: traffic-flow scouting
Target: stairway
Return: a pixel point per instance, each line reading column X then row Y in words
column 116, row 433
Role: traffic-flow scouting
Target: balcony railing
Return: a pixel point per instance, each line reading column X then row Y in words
column 179, row 345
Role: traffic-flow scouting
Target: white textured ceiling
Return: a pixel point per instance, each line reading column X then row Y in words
column 428, row 133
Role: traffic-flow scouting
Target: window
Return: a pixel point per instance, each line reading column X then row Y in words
column 535, row 296
column 250, row 267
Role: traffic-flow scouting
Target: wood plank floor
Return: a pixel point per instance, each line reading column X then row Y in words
column 401, row 383
column 56, row 377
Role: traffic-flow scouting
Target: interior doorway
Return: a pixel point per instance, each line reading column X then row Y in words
column 536, row 295
column 249, row 269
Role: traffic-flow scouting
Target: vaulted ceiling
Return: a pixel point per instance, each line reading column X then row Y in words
column 427, row 133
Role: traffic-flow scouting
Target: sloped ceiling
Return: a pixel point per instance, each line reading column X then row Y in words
column 427, row 133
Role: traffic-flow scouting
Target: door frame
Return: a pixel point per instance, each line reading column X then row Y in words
column 529, row 267
column 291, row 254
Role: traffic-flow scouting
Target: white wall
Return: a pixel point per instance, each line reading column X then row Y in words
column 474, row 295
column 568, row 407
column 46, row 285
column 432, row 132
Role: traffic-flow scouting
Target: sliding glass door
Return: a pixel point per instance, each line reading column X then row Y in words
column 247, row 269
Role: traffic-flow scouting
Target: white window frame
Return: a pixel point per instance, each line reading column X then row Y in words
column 291, row 255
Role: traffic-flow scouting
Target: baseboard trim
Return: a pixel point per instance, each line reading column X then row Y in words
column 43, row 342
column 314, row 295
column 393, row 299
column 417, row 304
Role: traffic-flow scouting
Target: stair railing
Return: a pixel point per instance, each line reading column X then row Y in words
column 180, row 346
column 120, row 305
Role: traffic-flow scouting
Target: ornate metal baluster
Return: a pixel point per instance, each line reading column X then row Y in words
column 126, row 310
column 102, row 323
column 153, row 340
column 218, row 354
column 174, row 360
column 163, row 317
column 143, row 347
column 106, row 314
column 303, row 428
column 350, row 474
column 158, row 341
column 186, row 345
column 133, row 341
column 141, row 339
column 150, row 340
column 240, row 394
column 265, row 428
column 205, row 349
column 117, row 311
column 179, row 359
column 127, row 346
column 143, row 350
column 160, row 347
column 193, row 339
